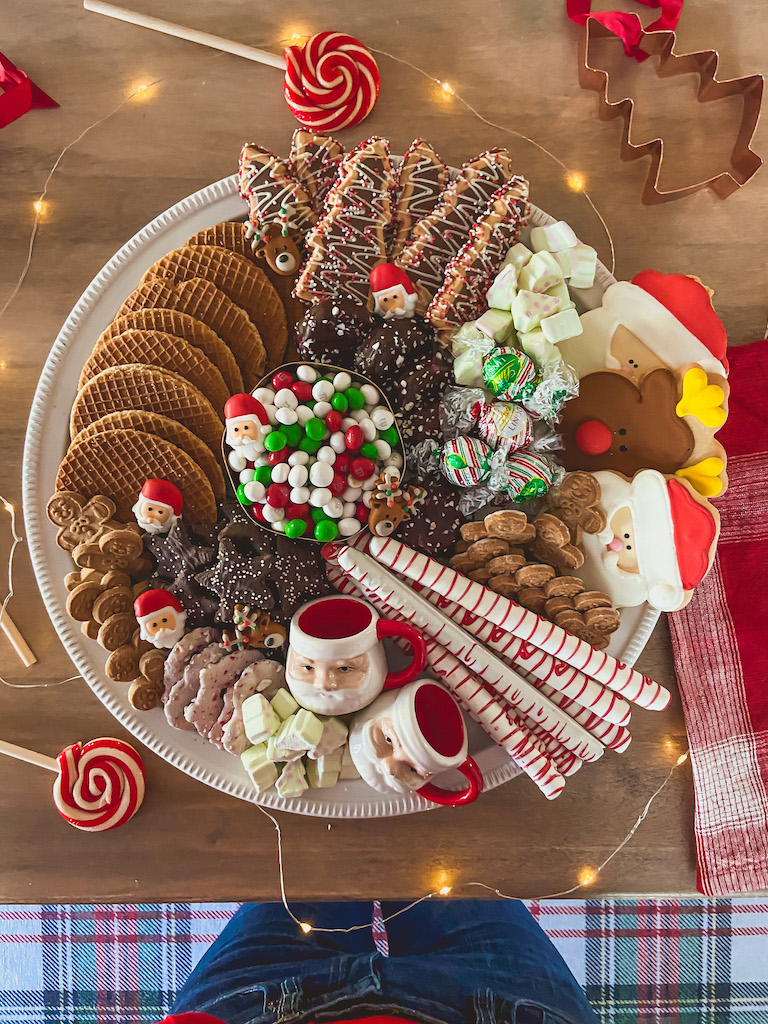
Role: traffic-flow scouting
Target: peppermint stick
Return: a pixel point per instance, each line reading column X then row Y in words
column 520, row 622
column 529, row 660
column 395, row 592
column 616, row 737
column 490, row 713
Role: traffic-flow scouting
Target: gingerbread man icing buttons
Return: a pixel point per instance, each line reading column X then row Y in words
column 658, row 543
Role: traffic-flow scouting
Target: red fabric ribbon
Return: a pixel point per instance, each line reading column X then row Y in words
column 627, row 26
column 18, row 93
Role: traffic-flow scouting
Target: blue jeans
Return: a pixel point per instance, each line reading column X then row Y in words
column 450, row 962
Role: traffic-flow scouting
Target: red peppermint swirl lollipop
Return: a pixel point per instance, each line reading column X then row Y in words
column 331, row 82
column 100, row 784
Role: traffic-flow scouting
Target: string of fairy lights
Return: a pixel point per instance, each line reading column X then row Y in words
column 574, row 180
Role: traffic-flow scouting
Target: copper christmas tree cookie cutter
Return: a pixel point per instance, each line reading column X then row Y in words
column 744, row 162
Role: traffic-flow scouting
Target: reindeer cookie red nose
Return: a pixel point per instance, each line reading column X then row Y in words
column 593, row 437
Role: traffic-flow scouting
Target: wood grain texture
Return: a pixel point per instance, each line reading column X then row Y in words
column 517, row 62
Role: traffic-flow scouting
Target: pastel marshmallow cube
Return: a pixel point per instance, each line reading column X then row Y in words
column 496, row 324
column 301, row 731
column 530, row 308
column 259, row 720
column 468, row 369
column 503, row 289
column 263, row 773
column 333, row 738
column 324, row 772
column 277, row 753
column 562, row 325
column 541, row 272
column 293, row 780
column 584, row 266
column 517, row 256
column 560, row 291
column 283, row 704
column 554, row 237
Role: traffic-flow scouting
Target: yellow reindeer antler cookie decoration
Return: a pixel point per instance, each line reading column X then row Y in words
column 704, row 476
column 702, row 399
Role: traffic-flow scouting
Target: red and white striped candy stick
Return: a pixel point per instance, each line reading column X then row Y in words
column 527, row 659
column 395, row 592
column 520, row 622
column 565, row 762
column 617, row 737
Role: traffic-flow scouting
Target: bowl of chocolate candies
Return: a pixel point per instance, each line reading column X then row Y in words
column 306, row 448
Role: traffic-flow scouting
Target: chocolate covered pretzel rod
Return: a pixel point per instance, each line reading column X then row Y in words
column 497, row 721
column 525, row 658
column 520, row 622
column 617, row 737
column 492, row 669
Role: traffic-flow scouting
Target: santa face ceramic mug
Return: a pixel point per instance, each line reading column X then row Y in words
column 336, row 662
column 404, row 739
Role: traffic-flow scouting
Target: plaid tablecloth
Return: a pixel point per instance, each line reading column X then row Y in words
column 693, row 961
column 721, row 653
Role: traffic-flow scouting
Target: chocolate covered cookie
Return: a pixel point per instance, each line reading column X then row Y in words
column 331, row 331
column 419, row 385
column 393, row 345
column 434, row 527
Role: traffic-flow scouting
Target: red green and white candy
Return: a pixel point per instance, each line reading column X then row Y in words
column 509, row 374
column 465, row 461
column 527, row 475
column 331, row 437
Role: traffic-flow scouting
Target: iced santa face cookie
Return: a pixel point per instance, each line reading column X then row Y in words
column 658, row 543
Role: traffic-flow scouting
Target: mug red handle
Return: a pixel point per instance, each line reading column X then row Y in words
column 386, row 627
column 455, row 798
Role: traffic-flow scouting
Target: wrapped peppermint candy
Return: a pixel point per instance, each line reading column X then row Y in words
column 510, row 374
column 522, row 476
column 498, row 423
column 465, row 461
column 469, row 347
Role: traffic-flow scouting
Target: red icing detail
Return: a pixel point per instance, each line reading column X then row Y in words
column 163, row 491
column 338, row 485
column 593, row 437
column 439, row 719
column 362, row 469
column 689, row 302
column 334, row 618
column 282, row 379
column 278, row 495
column 694, row 530
column 152, row 601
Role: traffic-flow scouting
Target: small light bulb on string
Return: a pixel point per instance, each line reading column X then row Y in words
column 445, row 890
column 682, row 759
column 141, row 91
column 306, row 928
column 576, row 181
column 447, row 88
column 587, row 876
column 40, row 207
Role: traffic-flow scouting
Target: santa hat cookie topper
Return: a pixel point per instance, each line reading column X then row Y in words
column 158, row 506
column 658, row 543
column 161, row 617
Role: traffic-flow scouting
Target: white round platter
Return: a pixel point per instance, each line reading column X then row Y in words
column 49, row 418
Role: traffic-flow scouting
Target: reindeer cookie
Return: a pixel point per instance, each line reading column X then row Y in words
column 391, row 503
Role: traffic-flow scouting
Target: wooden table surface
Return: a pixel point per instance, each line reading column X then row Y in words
column 517, row 62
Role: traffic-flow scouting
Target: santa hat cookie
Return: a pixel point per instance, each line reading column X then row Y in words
column 658, row 544
column 240, row 408
column 247, row 426
column 161, row 617
column 670, row 315
column 393, row 293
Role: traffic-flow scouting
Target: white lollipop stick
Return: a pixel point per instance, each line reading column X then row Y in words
column 520, row 622
column 30, row 756
column 496, row 718
column 492, row 669
column 20, row 645
column 182, row 32
column 529, row 660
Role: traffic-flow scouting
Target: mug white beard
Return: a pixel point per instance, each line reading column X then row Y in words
column 336, row 702
column 372, row 769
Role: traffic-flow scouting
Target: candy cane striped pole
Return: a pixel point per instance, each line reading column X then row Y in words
column 395, row 592
column 520, row 622
column 525, row 658
column 616, row 737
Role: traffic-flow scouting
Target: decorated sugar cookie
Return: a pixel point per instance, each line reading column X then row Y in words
column 658, row 542
column 392, row 291
column 158, row 506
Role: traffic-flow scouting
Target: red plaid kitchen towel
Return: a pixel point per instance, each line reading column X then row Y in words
column 721, row 652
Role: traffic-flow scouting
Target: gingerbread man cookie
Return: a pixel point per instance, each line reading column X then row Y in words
column 80, row 519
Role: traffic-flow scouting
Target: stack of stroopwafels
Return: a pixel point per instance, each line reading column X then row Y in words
column 204, row 323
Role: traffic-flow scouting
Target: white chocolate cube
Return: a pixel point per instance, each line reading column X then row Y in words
column 561, row 326
column 496, row 324
column 262, row 771
column 530, row 308
column 301, row 731
column 283, row 704
column 276, row 751
column 334, row 737
column 292, row 781
column 554, row 237
column 517, row 256
column 503, row 289
column 259, row 720
column 324, row 772
column 541, row 272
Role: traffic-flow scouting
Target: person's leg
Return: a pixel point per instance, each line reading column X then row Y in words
column 261, row 946
column 461, row 947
